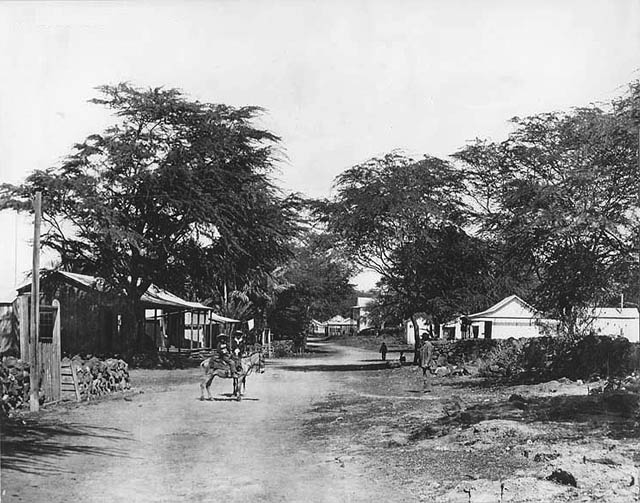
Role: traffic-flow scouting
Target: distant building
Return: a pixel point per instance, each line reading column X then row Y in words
column 360, row 312
column 316, row 327
column 338, row 326
column 424, row 327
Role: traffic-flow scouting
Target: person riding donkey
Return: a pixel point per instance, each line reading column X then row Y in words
column 225, row 355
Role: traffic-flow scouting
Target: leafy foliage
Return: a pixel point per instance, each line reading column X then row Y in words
column 558, row 198
column 176, row 192
column 405, row 219
column 318, row 285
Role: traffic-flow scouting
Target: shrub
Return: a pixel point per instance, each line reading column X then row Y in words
column 503, row 360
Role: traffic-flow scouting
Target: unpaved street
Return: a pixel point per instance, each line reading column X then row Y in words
column 162, row 444
column 336, row 426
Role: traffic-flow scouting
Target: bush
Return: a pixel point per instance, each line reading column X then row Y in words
column 504, row 360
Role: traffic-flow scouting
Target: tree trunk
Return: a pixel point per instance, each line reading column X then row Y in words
column 416, row 337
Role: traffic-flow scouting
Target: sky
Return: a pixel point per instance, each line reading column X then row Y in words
column 342, row 81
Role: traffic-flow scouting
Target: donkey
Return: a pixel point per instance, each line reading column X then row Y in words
column 252, row 363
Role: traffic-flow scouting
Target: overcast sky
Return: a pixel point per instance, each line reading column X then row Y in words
column 341, row 81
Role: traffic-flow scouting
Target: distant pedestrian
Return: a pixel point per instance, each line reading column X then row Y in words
column 383, row 351
column 403, row 359
column 424, row 361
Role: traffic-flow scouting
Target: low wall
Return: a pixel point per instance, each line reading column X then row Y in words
column 553, row 358
column 461, row 351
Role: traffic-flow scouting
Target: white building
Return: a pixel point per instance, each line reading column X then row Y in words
column 338, row 326
column 616, row 322
column 409, row 331
column 360, row 312
column 513, row 317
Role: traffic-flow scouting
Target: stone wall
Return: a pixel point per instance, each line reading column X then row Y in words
column 460, row 352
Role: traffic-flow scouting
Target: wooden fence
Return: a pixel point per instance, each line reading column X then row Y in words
column 48, row 346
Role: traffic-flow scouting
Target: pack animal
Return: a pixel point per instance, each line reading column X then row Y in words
column 214, row 368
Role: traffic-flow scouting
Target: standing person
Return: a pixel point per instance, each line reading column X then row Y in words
column 424, row 360
column 383, row 351
column 403, row 359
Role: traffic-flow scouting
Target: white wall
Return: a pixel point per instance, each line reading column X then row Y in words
column 423, row 327
column 617, row 328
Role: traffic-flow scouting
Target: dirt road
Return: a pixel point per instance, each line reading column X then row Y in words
column 337, row 426
column 161, row 444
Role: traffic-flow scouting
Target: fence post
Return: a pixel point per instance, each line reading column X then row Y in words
column 56, row 371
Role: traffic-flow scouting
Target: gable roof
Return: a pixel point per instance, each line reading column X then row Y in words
column 154, row 297
column 504, row 303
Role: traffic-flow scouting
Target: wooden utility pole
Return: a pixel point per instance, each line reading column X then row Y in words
column 34, row 367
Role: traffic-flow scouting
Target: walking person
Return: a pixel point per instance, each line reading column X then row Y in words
column 383, row 351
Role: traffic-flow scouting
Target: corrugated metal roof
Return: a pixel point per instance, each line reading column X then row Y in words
column 154, row 297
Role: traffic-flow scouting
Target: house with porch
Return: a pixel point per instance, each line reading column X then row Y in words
column 338, row 326
column 94, row 320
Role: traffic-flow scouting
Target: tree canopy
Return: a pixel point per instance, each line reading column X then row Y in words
column 550, row 213
column 405, row 219
column 559, row 197
column 175, row 192
column 318, row 285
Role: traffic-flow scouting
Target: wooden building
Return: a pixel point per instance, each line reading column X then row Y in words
column 96, row 321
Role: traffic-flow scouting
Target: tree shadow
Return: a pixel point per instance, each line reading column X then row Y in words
column 37, row 447
column 351, row 367
column 312, row 349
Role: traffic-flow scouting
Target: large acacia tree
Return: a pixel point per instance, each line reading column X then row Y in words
column 175, row 192
column 559, row 197
column 406, row 219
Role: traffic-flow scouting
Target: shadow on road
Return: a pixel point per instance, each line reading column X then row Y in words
column 230, row 400
column 39, row 447
column 351, row 367
column 313, row 349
